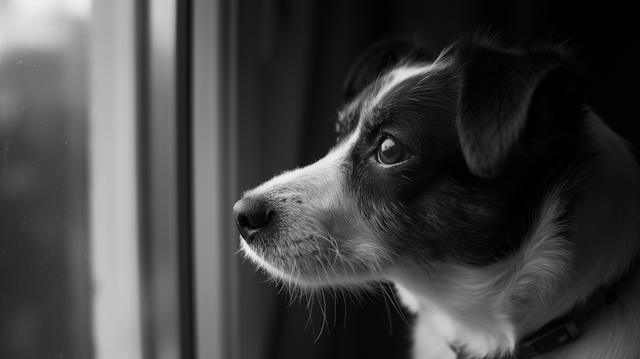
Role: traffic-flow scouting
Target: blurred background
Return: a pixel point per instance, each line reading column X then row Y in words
column 129, row 128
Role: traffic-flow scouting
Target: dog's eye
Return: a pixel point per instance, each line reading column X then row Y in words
column 391, row 152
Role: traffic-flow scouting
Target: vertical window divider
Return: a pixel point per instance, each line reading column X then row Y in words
column 164, row 73
column 113, row 191
column 214, row 138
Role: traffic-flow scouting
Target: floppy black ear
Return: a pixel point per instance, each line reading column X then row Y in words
column 368, row 66
column 499, row 95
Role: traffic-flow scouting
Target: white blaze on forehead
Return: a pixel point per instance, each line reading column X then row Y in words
column 396, row 77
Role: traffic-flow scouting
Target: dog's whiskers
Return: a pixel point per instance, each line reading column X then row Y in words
column 386, row 305
column 323, row 309
column 396, row 305
column 394, row 301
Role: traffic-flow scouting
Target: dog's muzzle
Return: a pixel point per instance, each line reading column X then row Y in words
column 252, row 214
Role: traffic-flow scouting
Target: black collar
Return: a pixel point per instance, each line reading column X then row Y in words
column 562, row 330
column 565, row 329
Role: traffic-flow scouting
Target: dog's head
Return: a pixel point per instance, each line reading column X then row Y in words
column 474, row 181
column 436, row 161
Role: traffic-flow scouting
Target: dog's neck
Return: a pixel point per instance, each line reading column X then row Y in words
column 606, row 228
column 592, row 318
column 606, row 239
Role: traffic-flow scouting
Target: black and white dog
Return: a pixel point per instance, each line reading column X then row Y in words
column 504, row 210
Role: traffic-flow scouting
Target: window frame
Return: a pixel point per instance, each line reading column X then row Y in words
column 174, row 147
column 214, row 168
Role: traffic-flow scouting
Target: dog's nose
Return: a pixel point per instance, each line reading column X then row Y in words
column 251, row 215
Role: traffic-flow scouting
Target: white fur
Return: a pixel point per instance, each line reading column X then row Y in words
column 396, row 77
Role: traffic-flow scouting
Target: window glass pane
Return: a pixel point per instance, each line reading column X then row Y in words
column 45, row 287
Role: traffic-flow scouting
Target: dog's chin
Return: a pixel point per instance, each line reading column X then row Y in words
column 320, row 275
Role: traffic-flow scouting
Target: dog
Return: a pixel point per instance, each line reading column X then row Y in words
column 483, row 186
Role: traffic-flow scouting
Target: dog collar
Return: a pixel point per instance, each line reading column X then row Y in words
column 566, row 329
column 559, row 331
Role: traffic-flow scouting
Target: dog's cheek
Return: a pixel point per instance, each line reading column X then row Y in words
column 443, row 220
column 350, row 239
column 400, row 205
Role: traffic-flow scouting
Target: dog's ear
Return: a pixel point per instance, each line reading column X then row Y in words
column 368, row 66
column 502, row 94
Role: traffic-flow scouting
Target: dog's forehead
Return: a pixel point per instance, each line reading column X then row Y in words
column 401, row 81
column 398, row 78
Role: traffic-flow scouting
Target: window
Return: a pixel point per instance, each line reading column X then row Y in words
column 115, row 181
column 45, row 257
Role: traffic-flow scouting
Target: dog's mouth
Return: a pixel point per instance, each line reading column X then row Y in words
column 308, row 242
column 298, row 265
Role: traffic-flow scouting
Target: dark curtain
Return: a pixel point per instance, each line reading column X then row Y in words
column 293, row 57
